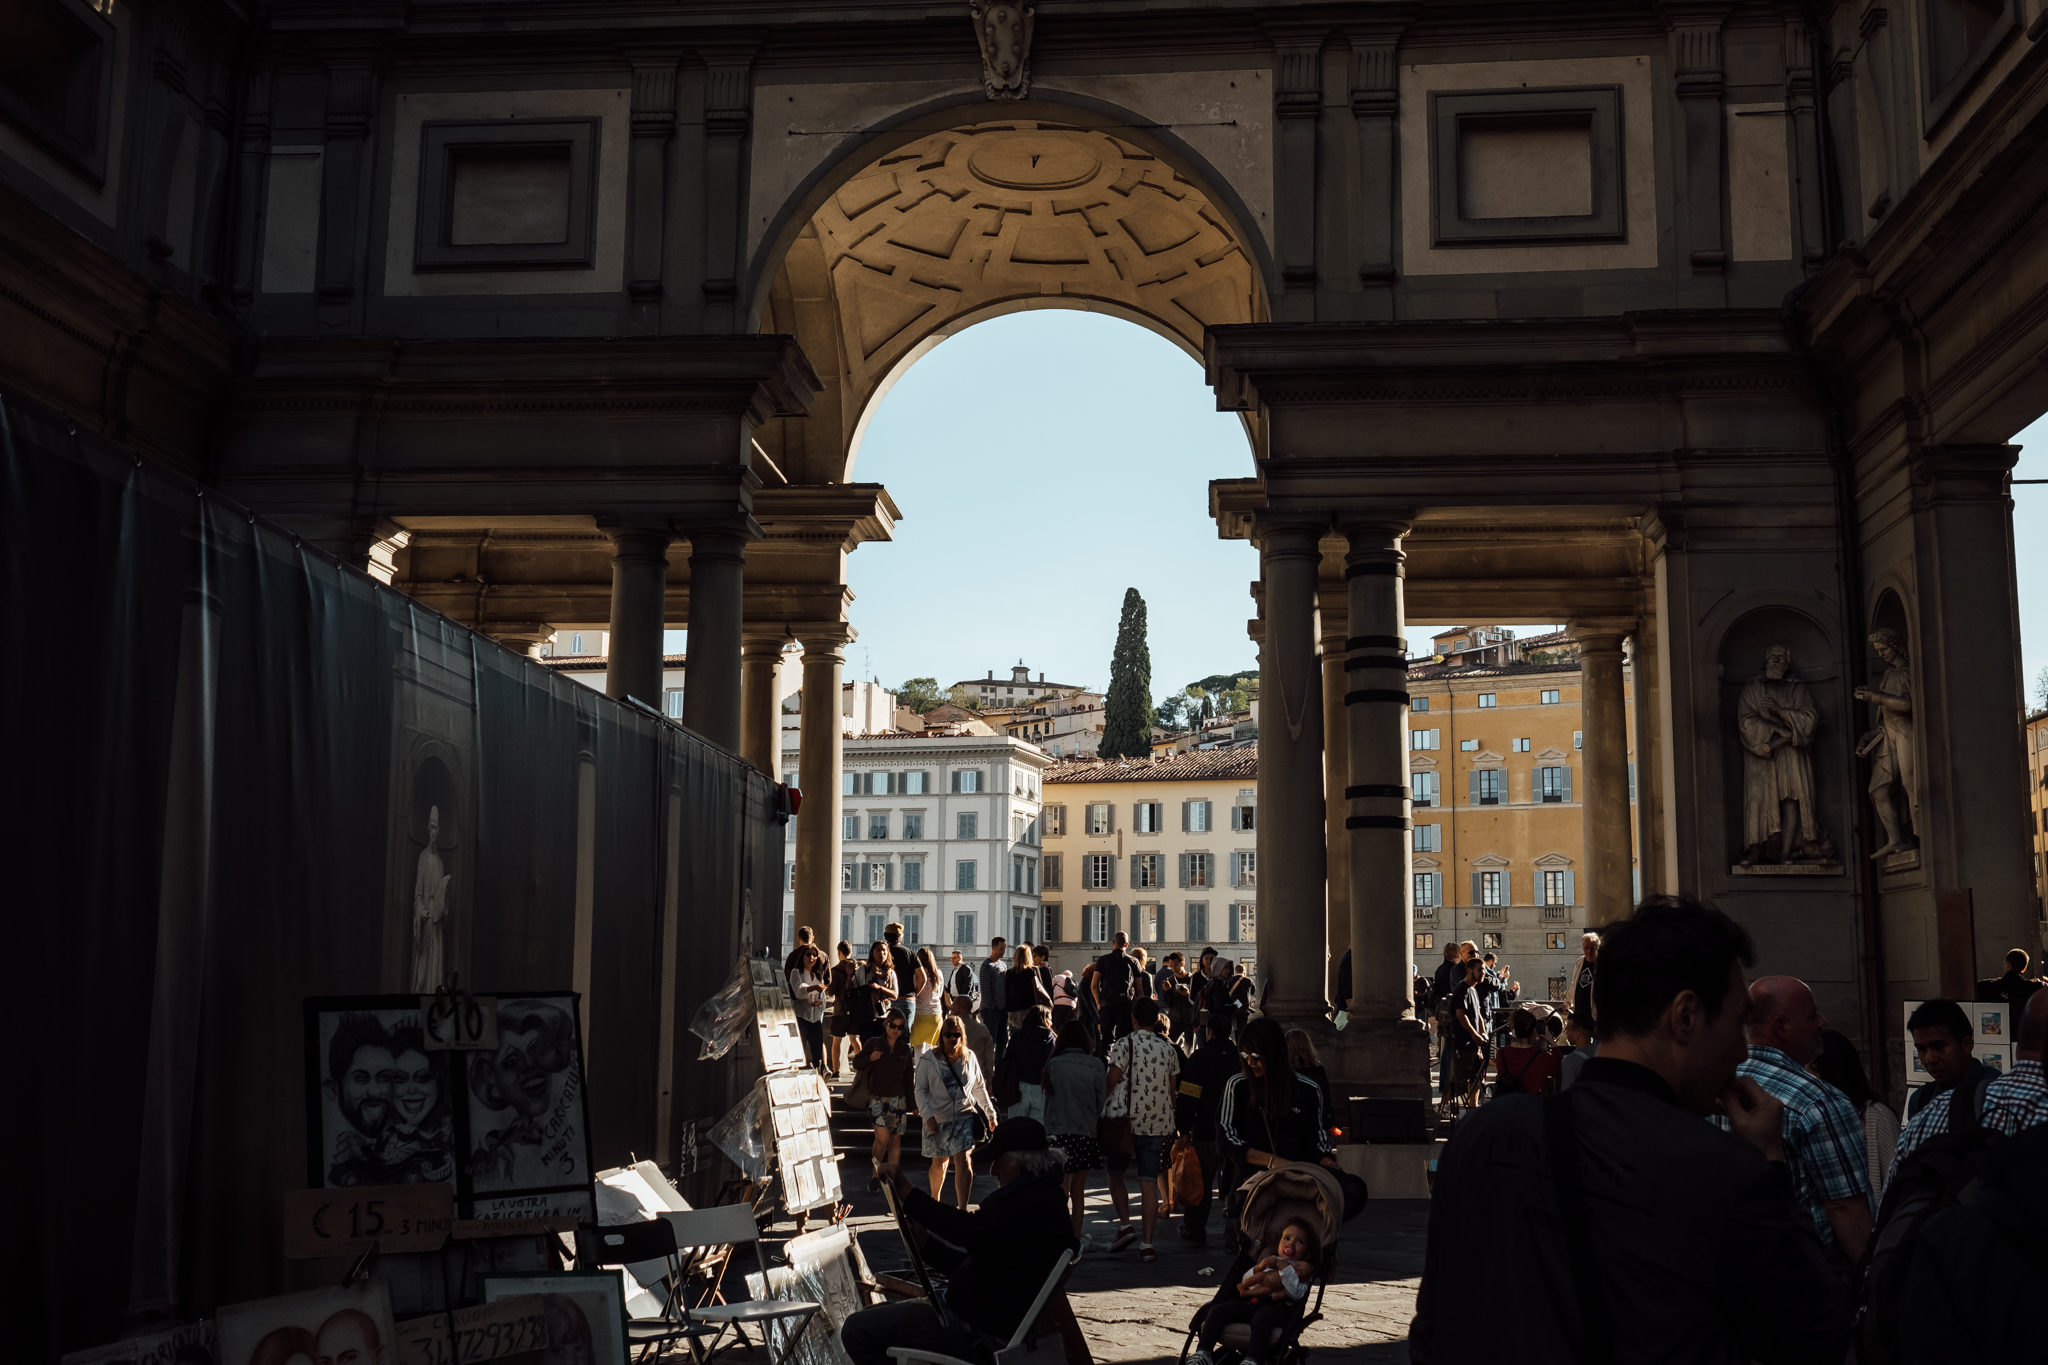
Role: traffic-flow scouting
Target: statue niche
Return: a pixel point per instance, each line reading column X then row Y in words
column 1892, row 746
column 1775, row 722
column 1002, row 28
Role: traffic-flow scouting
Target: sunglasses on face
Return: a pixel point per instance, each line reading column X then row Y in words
column 893, row 1028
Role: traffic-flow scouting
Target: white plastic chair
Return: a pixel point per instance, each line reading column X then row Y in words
column 1015, row 1348
column 723, row 1229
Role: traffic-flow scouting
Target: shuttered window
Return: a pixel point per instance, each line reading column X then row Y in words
column 1197, row 869
column 1148, row 871
column 913, row 875
column 1489, row 888
column 1427, row 839
column 1051, row 867
column 1428, row 890
column 1145, row 817
column 1055, row 820
column 1198, row 921
column 967, row 779
column 878, row 824
column 1098, row 872
column 967, row 823
column 1195, row 816
column 913, row 825
column 1425, row 739
column 1422, row 788
column 1100, row 817
column 1489, row 787
column 963, row 876
column 1553, row 784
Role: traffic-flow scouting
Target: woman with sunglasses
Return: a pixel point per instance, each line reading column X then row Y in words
column 1271, row 1114
column 950, row 1091
column 887, row 1060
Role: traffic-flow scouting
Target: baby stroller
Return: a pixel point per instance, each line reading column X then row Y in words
column 1296, row 1192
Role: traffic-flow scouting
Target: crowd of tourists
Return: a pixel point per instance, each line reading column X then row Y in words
column 1797, row 1221
column 1162, row 1071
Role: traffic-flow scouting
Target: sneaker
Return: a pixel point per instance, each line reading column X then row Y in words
column 1146, row 1253
column 1124, row 1237
column 1198, row 1356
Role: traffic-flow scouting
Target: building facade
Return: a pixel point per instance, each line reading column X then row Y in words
column 1497, row 781
column 2037, row 817
column 938, row 833
column 1016, row 690
column 1164, row 850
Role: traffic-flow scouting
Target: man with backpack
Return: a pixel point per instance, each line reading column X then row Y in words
column 1651, row 1236
column 1955, row 1269
column 1116, row 986
column 1947, row 1049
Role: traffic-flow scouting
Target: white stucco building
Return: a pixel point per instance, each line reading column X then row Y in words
column 940, row 834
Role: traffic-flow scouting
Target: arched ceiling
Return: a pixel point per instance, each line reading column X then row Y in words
column 981, row 220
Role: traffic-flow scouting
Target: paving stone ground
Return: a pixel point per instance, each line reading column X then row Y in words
column 1133, row 1312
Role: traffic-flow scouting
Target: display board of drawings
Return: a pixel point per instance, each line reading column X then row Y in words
column 782, row 1123
column 483, row 1092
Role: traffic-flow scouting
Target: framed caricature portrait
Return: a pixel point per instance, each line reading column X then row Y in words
column 585, row 1313
column 350, row 1323
column 507, row 1125
column 380, row 1107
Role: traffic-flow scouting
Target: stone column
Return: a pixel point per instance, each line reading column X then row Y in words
column 1610, row 888
column 711, row 670
column 1330, row 618
column 1376, row 709
column 1293, row 953
column 817, row 776
column 639, row 613
column 1385, row 1048
column 760, row 717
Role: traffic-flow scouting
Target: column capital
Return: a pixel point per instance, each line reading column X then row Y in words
column 1601, row 634
column 758, row 646
column 1394, row 522
column 720, row 533
column 637, row 539
column 1289, row 536
column 821, row 641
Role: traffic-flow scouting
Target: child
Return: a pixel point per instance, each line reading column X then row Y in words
column 1270, row 1294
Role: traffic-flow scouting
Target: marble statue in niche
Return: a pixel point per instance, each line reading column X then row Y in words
column 429, row 908
column 1003, row 29
column 1776, row 719
column 1892, row 745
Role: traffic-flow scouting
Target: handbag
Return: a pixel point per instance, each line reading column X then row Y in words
column 1006, row 1090
column 1185, row 1174
column 981, row 1128
column 1115, row 1136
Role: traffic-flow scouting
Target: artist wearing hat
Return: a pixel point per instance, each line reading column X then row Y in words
column 1005, row 1249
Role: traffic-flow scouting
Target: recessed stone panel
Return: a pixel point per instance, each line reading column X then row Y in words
column 503, row 196
column 1525, row 166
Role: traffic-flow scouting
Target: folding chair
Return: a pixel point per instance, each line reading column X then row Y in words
column 721, row 1231
column 1017, row 1347
column 630, row 1244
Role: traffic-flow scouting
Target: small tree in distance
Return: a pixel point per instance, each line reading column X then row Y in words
column 1127, row 712
column 919, row 694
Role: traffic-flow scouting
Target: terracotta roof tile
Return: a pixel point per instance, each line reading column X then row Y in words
column 1235, row 764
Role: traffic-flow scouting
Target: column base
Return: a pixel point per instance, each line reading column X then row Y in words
column 1380, row 1058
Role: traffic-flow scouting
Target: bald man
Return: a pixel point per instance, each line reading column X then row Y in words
column 1823, row 1134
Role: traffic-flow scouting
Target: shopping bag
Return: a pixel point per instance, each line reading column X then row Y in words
column 1186, row 1174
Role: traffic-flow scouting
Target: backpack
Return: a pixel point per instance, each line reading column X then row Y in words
column 1942, row 1173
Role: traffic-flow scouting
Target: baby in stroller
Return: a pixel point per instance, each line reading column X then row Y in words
column 1268, row 1298
column 1288, row 1228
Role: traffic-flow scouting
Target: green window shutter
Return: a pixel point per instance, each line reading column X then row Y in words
column 1234, row 917
column 1184, row 820
column 1473, row 776
column 1236, row 817
column 1475, row 888
column 1183, row 871
column 1567, row 774
column 1568, row 889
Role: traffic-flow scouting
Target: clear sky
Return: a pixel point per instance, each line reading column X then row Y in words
column 1044, row 463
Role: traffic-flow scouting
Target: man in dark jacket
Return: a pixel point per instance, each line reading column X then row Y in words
column 1202, row 1079
column 1116, row 985
column 994, row 1012
column 995, row 1259
column 1636, row 1224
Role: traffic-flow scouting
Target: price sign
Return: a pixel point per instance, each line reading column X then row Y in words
column 459, row 1021
column 348, row 1222
column 474, row 1336
column 470, row 1229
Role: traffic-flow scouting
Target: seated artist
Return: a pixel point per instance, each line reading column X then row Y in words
column 995, row 1259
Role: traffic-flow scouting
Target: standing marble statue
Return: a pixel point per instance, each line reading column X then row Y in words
column 1776, row 719
column 429, row 908
column 1892, row 745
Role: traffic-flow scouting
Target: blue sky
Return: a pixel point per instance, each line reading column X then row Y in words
column 1046, row 461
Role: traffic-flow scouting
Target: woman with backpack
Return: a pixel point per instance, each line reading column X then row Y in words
column 1526, row 1066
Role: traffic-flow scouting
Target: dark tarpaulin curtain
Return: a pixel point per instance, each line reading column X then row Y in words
column 233, row 753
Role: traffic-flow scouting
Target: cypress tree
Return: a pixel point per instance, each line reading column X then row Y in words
column 1127, row 713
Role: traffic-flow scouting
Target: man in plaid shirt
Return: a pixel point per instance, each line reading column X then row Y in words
column 1823, row 1134
column 2011, row 1103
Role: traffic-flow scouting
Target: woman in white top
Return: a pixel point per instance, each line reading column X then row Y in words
column 950, row 1091
column 806, row 978
column 1841, row 1067
column 925, row 983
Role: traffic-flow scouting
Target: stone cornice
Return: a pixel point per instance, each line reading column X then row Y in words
column 846, row 514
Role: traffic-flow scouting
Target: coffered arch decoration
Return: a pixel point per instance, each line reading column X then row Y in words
column 976, row 221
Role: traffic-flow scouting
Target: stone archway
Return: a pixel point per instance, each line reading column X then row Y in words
column 978, row 220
